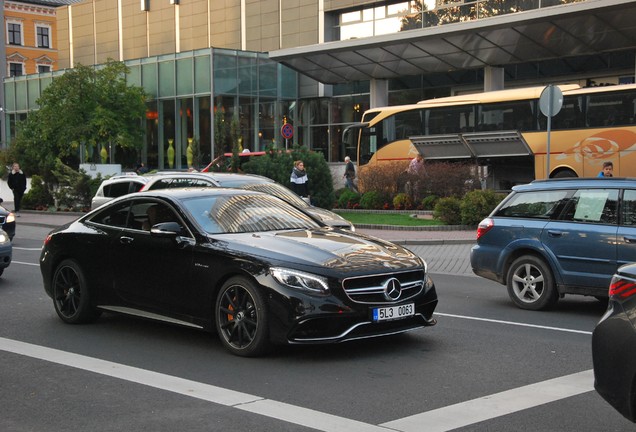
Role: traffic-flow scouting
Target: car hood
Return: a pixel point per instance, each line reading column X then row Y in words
column 328, row 217
column 327, row 248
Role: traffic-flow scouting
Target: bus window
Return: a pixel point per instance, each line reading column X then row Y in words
column 610, row 109
column 450, row 120
column 368, row 143
column 571, row 115
column 517, row 115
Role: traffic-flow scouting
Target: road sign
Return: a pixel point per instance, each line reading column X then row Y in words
column 550, row 103
column 287, row 131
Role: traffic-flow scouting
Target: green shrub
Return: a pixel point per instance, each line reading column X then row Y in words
column 402, row 201
column 448, row 211
column 478, row 204
column 429, row 202
column 38, row 197
column 349, row 199
column 372, row 200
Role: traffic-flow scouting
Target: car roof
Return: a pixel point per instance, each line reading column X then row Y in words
column 196, row 192
column 568, row 183
column 221, row 178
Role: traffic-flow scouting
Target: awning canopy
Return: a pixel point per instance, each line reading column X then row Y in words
column 550, row 33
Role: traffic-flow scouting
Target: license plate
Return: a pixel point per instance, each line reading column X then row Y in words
column 393, row 312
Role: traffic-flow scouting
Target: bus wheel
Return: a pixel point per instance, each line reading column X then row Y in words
column 565, row 173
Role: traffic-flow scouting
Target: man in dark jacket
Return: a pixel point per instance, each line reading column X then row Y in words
column 17, row 183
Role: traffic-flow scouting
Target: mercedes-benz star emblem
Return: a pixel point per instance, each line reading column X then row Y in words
column 392, row 289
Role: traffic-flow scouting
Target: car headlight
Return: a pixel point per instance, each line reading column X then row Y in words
column 301, row 281
column 10, row 218
column 4, row 238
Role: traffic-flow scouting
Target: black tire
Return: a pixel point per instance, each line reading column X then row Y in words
column 71, row 294
column 1, row 271
column 241, row 318
column 566, row 173
column 531, row 284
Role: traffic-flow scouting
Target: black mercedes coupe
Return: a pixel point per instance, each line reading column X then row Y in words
column 248, row 265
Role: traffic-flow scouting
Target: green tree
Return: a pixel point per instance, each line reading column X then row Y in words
column 86, row 104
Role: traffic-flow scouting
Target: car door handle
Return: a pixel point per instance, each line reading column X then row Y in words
column 629, row 239
column 125, row 240
column 554, row 233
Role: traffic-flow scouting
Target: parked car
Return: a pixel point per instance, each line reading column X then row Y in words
column 245, row 263
column 614, row 345
column 247, row 182
column 555, row 237
column 7, row 221
column 116, row 186
column 6, row 251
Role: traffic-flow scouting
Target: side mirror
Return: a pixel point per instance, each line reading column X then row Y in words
column 166, row 229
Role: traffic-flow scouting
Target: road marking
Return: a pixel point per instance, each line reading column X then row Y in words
column 439, row 420
column 243, row 401
column 27, row 249
column 499, row 404
column 515, row 323
column 24, row 263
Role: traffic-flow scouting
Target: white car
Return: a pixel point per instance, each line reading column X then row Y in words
column 117, row 186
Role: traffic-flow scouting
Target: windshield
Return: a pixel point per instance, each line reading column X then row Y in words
column 274, row 189
column 246, row 213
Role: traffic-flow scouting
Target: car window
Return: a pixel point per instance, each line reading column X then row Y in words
column 120, row 188
column 114, row 216
column 248, row 213
column 277, row 190
column 593, row 206
column 535, row 204
column 629, row 207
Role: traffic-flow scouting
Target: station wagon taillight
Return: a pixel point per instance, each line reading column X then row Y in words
column 622, row 288
column 484, row 226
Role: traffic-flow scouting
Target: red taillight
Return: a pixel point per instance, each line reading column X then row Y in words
column 143, row 188
column 484, row 226
column 622, row 288
column 47, row 239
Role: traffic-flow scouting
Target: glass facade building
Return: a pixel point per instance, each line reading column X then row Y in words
column 193, row 95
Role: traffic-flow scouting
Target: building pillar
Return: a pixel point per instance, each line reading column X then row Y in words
column 493, row 78
column 379, row 93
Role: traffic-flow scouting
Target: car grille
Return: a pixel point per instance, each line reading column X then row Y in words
column 2, row 220
column 376, row 288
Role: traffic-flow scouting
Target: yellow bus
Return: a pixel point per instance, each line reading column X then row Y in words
column 505, row 134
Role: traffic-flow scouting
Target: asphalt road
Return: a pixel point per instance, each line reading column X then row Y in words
column 486, row 366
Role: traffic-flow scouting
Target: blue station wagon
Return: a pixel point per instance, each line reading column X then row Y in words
column 555, row 237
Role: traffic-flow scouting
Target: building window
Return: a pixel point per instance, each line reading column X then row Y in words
column 14, row 31
column 44, row 68
column 15, row 69
column 43, row 37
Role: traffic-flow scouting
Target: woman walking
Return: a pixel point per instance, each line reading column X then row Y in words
column 299, row 179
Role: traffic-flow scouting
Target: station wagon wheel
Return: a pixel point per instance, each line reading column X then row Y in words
column 241, row 318
column 531, row 284
column 71, row 295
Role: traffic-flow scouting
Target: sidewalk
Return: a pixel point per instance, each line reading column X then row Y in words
column 400, row 236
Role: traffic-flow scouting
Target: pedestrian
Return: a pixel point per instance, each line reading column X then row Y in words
column 416, row 167
column 350, row 174
column 299, row 179
column 608, row 170
column 17, row 183
column 141, row 169
column 415, row 173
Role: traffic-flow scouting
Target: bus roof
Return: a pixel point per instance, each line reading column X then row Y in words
column 524, row 93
